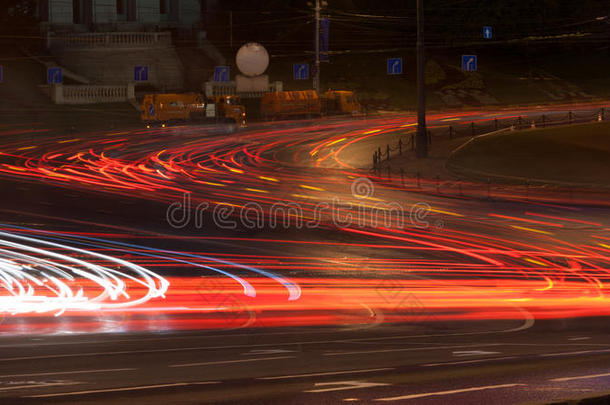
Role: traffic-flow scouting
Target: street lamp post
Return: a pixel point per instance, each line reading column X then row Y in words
column 316, row 77
column 421, row 141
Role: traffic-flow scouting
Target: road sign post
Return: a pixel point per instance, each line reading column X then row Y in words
column 140, row 74
column 222, row 74
column 300, row 71
column 422, row 133
column 394, row 66
column 469, row 63
column 54, row 75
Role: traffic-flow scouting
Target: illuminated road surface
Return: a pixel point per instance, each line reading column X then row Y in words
column 283, row 226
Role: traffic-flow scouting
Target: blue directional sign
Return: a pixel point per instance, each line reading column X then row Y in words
column 1, row 74
column 54, row 75
column 221, row 74
column 151, row 110
column 469, row 63
column 394, row 66
column 140, row 73
column 488, row 32
column 300, row 71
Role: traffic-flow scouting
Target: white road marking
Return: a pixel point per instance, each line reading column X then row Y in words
column 409, row 349
column 472, row 353
column 345, row 385
column 580, row 338
column 467, row 361
column 141, row 387
column 582, row 377
column 17, row 387
column 108, row 370
column 282, row 377
column 209, row 363
column 440, row 393
column 264, row 351
column 574, row 353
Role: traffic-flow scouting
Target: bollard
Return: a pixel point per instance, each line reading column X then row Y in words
column 519, row 123
column 412, row 142
column 473, row 132
column 374, row 160
column 489, row 189
column 496, row 123
column 417, row 175
column 438, row 184
column 543, row 121
column 450, row 132
column 400, row 146
column 429, row 137
column 389, row 172
column 402, row 176
column 602, row 113
column 460, row 188
column 387, row 152
column 379, row 153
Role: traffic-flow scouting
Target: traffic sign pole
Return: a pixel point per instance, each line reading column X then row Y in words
column 421, row 142
column 316, row 77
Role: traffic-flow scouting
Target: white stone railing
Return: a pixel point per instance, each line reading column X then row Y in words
column 213, row 89
column 110, row 40
column 91, row 94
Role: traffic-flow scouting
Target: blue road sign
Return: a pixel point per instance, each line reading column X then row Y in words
column 469, row 63
column 221, row 74
column 140, row 73
column 1, row 74
column 394, row 66
column 488, row 32
column 54, row 75
column 300, row 71
column 151, row 110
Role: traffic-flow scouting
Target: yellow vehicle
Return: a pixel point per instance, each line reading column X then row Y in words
column 290, row 104
column 341, row 102
column 167, row 108
column 307, row 103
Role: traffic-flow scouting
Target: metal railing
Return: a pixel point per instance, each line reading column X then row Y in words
column 472, row 129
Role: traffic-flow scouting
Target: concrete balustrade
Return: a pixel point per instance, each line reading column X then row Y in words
column 91, row 94
column 110, row 39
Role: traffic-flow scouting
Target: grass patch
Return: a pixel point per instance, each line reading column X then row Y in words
column 574, row 154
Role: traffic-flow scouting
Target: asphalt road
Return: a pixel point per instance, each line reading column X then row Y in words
column 126, row 283
column 462, row 363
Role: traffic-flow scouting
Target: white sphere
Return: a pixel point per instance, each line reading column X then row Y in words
column 252, row 59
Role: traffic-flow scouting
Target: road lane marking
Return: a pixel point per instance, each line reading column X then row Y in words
column 574, row 353
column 18, row 387
column 141, row 387
column 465, row 353
column 409, row 349
column 441, row 393
column 582, row 377
column 345, row 385
column 108, row 370
column 283, row 377
column 258, row 352
column 209, row 363
column 451, row 363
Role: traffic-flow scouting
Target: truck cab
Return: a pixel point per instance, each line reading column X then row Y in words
column 342, row 102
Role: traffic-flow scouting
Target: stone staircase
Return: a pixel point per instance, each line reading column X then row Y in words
column 110, row 59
